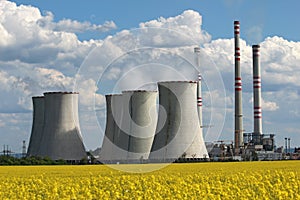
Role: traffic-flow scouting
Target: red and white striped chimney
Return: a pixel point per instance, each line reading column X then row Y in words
column 199, row 90
column 238, row 127
column 257, row 91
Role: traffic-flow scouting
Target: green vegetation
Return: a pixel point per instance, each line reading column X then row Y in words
column 9, row 160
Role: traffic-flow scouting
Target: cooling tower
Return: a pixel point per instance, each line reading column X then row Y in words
column 139, row 122
column 115, row 142
column 61, row 133
column 238, row 130
column 257, row 94
column 178, row 132
column 37, row 126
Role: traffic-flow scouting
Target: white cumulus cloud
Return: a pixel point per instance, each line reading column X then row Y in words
column 73, row 26
column 188, row 24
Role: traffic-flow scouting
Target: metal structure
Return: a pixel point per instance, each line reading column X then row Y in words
column 257, row 94
column 238, row 121
column 264, row 141
column 61, row 137
column 178, row 133
column 289, row 145
column 24, row 148
column 37, row 126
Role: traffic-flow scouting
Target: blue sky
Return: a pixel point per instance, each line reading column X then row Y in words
column 273, row 17
column 44, row 44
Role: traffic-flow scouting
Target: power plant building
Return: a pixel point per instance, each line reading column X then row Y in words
column 178, row 133
column 137, row 129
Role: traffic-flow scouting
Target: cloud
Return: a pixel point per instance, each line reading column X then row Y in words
column 29, row 37
column 89, row 100
column 2, row 124
column 17, row 89
column 254, row 34
column 267, row 105
column 73, row 26
column 188, row 24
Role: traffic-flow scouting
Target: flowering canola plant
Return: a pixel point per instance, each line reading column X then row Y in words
column 238, row 180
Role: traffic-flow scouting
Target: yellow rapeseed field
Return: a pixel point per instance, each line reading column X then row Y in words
column 240, row 180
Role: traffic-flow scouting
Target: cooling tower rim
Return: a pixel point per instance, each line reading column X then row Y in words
column 135, row 91
column 177, row 82
column 36, row 97
column 46, row 93
column 109, row 95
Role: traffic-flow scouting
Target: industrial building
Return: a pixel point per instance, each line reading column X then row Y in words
column 255, row 145
column 60, row 137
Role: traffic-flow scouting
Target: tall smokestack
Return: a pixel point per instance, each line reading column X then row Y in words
column 257, row 92
column 238, row 130
column 199, row 91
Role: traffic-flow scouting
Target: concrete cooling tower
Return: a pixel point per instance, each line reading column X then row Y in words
column 130, row 126
column 37, row 126
column 115, row 142
column 61, row 137
column 178, row 133
column 139, row 122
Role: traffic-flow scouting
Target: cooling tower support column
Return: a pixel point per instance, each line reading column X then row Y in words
column 61, row 133
column 238, row 127
column 37, row 126
column 257, row 94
